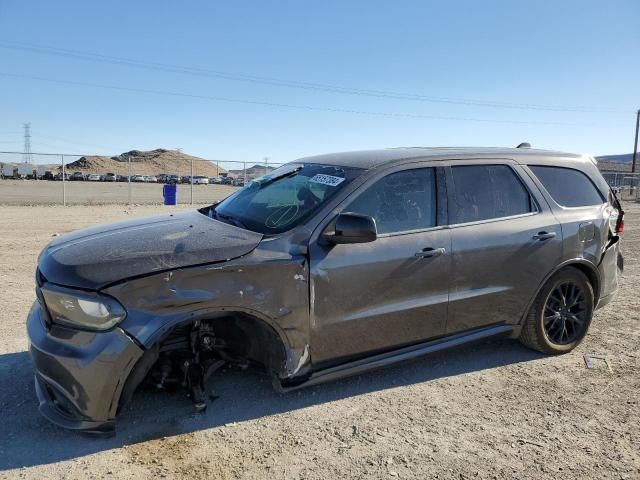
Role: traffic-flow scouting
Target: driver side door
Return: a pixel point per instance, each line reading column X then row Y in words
column 371, row 297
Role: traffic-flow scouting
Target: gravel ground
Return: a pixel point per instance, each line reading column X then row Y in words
column 493, row 410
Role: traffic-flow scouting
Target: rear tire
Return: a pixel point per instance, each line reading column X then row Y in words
column 561, row 314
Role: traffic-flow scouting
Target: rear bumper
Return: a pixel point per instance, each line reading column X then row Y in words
column 79, row 375
column 606, row 300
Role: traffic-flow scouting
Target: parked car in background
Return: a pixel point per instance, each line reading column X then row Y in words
column 172, row 179
column 138, row 178
column 215, row 180
column 406, row 252
column 58, row 177
column 238, row 182
column 109, row 177
column 77, row 176
column 122, row 178
column 151, row 179
column 227, row 181
column 200, row 180
column 185, row 179
column 94, row 177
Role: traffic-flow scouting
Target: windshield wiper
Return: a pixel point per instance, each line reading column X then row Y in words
column 270, row 180
column 229, row 219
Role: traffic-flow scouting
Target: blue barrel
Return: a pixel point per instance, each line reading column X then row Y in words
column 170, row 194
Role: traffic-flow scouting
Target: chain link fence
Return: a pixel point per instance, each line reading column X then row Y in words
column 135, row 178
column 625, row 184
column 139, row 177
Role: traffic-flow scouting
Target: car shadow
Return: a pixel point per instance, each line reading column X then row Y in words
column 28, row 439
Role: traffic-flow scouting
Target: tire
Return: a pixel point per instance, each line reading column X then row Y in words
column 552, row 326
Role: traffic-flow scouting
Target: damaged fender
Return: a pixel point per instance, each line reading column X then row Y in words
column 258, row 285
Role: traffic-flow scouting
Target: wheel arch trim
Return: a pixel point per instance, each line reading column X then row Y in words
column 582, row 264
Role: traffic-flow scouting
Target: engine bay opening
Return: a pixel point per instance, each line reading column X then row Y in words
column 189, row 354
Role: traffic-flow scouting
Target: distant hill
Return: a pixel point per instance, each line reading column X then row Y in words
column 622, row 158
column 619, row 163
column 151, row 162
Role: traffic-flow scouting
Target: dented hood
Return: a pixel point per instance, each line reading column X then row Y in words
column 97, row 256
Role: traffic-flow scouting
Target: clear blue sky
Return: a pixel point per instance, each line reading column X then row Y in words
column 563, row 53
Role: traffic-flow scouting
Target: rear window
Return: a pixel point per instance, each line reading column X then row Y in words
column 568, row 187
column 483, row 192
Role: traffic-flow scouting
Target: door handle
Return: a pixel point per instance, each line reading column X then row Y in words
column 430, row 252
column 544, row 235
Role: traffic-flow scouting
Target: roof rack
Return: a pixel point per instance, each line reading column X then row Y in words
column 524, row 145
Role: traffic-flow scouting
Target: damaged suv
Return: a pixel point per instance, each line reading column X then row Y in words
column 326, row 267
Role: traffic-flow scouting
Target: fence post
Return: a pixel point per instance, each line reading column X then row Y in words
column 191, row 181
column 64, row 184
column 129, row 177
column 244, row 172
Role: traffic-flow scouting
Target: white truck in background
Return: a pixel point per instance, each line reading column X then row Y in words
column 25, row 170
column 8, row 170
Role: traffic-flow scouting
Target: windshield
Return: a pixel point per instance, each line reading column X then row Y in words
column 284, row 198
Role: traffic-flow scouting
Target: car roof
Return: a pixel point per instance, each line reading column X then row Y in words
column 372, row 158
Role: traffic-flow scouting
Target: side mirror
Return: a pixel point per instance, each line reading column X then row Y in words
column 351, row 228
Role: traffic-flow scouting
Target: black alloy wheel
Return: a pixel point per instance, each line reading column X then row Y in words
column 565, row 313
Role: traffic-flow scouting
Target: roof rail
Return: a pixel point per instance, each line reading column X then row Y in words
column 524, row 145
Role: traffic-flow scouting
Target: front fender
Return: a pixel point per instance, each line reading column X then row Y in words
column 275, row 292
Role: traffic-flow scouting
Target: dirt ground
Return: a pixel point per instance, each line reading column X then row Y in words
column 490, row 411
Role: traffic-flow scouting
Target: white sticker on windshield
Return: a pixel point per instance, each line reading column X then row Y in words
column 326, row 179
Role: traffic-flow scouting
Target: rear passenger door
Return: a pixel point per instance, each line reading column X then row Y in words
column 505, row 240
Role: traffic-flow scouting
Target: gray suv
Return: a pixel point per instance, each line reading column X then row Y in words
column 326, row 267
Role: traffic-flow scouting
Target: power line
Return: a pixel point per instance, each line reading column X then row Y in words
column 280, row 105
column 94, row 57
column 75, row 142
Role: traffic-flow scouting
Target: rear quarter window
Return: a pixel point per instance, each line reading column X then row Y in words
column 567, row 186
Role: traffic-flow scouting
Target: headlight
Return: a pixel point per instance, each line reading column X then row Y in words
column 85, row 310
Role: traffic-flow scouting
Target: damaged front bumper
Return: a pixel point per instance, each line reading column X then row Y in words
column 79, row 375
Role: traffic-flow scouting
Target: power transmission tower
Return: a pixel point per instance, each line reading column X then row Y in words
column 26, row 156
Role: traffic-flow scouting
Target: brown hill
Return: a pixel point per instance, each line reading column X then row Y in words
column 152, row 162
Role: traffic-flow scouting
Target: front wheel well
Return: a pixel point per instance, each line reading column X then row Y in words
column 231, row 338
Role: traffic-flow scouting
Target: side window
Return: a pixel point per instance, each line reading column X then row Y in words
column 400, row 202
column 482, row 192
column 568, row 187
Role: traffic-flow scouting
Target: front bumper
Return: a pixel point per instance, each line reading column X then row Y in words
column 79, row 375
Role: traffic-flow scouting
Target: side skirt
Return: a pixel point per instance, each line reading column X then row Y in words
column 390, row 358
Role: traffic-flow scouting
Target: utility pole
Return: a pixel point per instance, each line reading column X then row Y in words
column 191, row 179
column 635, row 145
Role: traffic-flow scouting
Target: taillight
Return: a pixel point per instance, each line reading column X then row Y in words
column 620, row 225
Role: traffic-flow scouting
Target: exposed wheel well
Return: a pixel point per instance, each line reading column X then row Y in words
column 233, row 337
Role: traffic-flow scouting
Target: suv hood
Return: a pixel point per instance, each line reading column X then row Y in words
column 95, row 257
